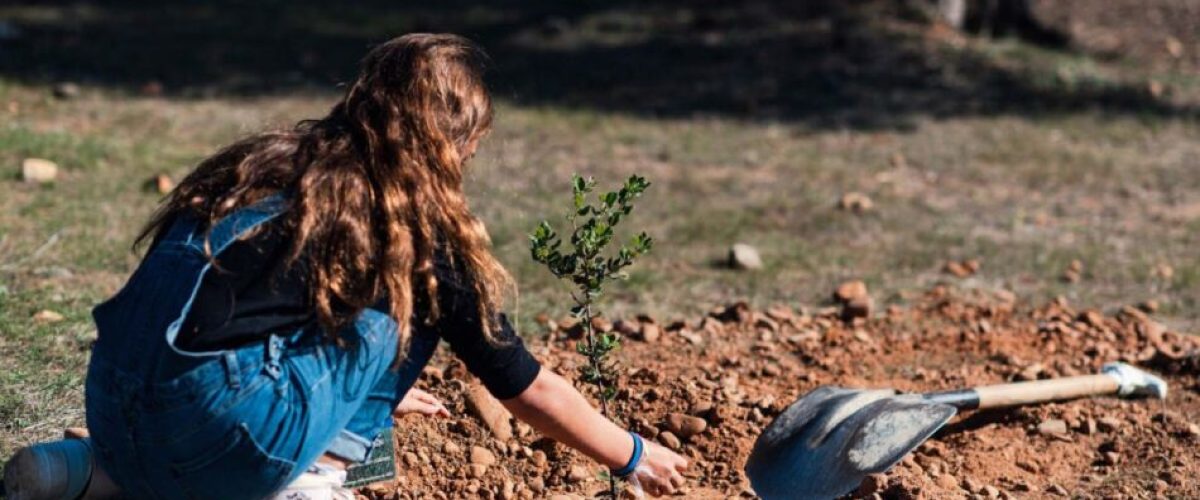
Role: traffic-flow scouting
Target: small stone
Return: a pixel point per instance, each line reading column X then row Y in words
column 857, row 308
column 161, row 183
column 669, row 440
column 849, row 291
column 482, row 456
column 411, row 459
column 744, row 257
column 1108, row 424
column 1092, row 317
column 855, row 202
column 991, row 491
column 76, row 433
column 477, row 470
column 601, row 325
column 1053, row 426
column 537, row 484
column 958, row 269
column 1149, row 306
column 948, row 482
column 1031, row 372
column 487, row 409
column 539, row 458
column 578, row 474
column 685, row 426
column 871, row 484
column 38, row 170
column 626, row 328
column 1110, row 458
column 47, row 316
column 651, row 332
column 66, row 90
column 451, row 448
column 1074, row 271
column 1056, row 490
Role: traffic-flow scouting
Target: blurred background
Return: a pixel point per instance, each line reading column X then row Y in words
column 1048, row 148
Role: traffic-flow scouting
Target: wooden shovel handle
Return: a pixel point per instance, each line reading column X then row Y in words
column 1023, row 393
column 1041, row 391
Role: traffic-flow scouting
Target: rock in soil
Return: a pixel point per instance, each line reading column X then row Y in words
column 685, row 426
column 38, row 171
column 490, row 412
column 744, row 257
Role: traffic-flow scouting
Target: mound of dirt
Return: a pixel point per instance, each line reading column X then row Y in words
column 737, row 368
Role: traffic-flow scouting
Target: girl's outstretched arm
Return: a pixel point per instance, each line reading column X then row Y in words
column 553, row 407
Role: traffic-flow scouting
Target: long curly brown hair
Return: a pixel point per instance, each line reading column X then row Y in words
column 374, row 189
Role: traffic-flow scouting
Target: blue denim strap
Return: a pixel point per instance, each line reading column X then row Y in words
column 222, row 234
column 233, row 370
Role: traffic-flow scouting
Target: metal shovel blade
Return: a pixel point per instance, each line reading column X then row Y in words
column 828, row 441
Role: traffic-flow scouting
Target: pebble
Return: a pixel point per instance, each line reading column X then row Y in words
column 669, row 440
column 685, row 426
column 162, row 183
column 856, row 202
column 744, row 257
column 578, row 474
column 1108, row 424
column 47, row 316
column 482, row 456
column 1053, row 426
column 38, row 170
column 651, row 332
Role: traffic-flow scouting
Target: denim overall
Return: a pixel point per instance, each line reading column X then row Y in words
column 238, row 423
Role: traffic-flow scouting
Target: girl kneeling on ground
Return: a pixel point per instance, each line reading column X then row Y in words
column 295, row 285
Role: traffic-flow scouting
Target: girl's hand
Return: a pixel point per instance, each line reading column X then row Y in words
column 418, row 401
column 660, row 472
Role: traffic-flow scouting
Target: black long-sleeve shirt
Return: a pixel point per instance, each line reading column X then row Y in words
column 250, row 294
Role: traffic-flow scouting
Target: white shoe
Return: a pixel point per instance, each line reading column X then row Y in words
column 319, row 482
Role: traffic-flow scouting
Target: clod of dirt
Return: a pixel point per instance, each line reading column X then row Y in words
column 961, row 268
column 490, row 412
column 669, row 440
column 855, row 302
column 38, row 170
column 744, row 257
column 685, row 426
column 855, row 202
column 849, row 291
column 650, row 332
column 482, row 456
column 1074, row 272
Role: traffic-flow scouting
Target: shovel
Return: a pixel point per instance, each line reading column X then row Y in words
column 830, row 439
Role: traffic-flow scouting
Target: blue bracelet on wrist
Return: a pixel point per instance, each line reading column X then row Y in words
column 638, row 448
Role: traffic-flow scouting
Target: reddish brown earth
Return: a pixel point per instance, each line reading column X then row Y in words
column 737, row 368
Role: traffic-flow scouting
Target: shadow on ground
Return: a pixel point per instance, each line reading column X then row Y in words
column 854, row 64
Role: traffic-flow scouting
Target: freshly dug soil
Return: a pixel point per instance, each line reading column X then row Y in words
column 737, row 368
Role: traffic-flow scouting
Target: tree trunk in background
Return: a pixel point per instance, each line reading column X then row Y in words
column 953, row 12
column 998, row 18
